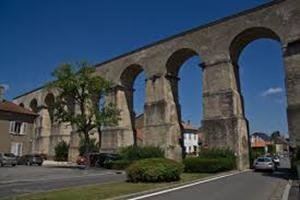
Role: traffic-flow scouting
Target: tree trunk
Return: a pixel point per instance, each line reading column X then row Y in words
column 100, row 138
column 87, row 148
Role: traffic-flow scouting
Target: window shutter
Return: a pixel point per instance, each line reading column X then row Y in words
column 11, row 127
column 23, row 128
column 20, row 145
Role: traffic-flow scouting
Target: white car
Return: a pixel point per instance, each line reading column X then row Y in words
column 264, row 163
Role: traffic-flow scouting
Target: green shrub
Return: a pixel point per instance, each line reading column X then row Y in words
column 133, row 153
column 211, row 161
column 217, row 153
column 254, row 153
column 208, row 165
column 154, row 170
column 92, row 146
column 61, row 151
column 117, row 164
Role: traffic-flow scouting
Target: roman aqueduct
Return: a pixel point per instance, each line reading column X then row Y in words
column 219, row 45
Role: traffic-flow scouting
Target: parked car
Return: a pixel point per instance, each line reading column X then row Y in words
column 264, row 163
column 81, row 160
column 96, row 159
column 8, row 159
column 31, row 159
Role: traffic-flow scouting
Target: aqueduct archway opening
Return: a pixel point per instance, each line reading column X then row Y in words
column 185, row 75
column 261, row 83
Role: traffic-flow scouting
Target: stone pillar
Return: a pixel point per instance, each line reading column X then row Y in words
column 162, row 127
column 43, row 137
column 73, row 145
column 74, row 141
column 292, row 68
column 224, row 123
column 122, row 134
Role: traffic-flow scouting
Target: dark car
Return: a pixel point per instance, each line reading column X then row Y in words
column 8, row 159
column 31, row 159
column 96, row 159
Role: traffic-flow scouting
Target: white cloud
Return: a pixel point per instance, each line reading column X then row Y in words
column 272, row 91
column 6, row 87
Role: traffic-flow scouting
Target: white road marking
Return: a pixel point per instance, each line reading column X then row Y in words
column 188, row 185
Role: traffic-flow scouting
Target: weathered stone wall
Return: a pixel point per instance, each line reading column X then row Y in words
column 219, row 45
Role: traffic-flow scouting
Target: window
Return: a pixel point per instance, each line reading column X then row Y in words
column 17, row 127
column 16, row 148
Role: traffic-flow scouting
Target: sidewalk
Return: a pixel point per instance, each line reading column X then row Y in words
column 295, row 190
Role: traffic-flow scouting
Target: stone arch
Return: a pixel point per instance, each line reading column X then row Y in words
column 177, row 58
column 129, row 74
column 247, row 36
column 33, row 105
column 237, row 46
column 49, row 103
column 174, row 63
column 127, row 79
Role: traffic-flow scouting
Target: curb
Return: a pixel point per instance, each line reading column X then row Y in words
column 158, row 191
column 286, row 192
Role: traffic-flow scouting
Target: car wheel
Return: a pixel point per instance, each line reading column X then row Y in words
column 1, row 165
column 13, row 165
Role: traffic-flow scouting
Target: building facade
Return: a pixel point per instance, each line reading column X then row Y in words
column 16, row 129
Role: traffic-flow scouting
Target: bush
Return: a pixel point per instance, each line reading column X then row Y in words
column 61, row 151
column 207, row 165
column 211, row 161
column 133, row 153
column 117, row 164
column 217, row 153
column 154, row 170
column 92, row 146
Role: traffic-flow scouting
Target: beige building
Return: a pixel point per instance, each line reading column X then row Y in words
column 16, row 129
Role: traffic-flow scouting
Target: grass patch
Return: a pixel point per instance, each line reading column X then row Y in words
column 105, row 191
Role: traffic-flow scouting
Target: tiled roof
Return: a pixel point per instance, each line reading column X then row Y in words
column 14, row 108
column 263, row 136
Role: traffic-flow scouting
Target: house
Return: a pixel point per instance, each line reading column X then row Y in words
column 260, row 140
column 190, row 139
column 16, row 127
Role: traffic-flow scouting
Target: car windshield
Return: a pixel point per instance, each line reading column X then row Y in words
column 260, row 160
column 264, row 159
column 9, row 155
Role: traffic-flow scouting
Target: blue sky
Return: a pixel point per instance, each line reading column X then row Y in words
column 35, row 36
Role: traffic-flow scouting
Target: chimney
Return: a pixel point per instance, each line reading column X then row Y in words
column 2, row 89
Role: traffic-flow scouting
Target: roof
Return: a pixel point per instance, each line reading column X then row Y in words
column 8, row 106
column 263, row 136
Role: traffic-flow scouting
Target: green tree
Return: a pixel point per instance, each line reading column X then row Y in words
column 78, row 97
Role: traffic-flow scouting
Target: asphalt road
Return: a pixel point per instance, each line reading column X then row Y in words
column 23, row 179
column 246, row 186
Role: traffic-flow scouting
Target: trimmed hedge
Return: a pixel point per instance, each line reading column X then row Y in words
column 211, row 161
column 132, row 153
column 207, row 165
column 154, row 170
